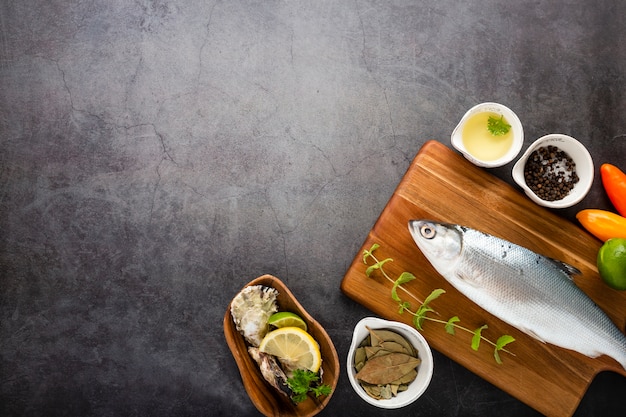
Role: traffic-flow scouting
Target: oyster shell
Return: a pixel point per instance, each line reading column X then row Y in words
column 250, row 310
column 271, row 370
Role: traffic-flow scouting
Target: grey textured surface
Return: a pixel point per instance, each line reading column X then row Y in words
column 157, row 155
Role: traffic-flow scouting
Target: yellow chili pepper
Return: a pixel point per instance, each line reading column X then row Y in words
column 602, row 224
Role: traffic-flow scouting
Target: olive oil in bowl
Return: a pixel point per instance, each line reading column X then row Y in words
column 480, row 142
column 489, row 135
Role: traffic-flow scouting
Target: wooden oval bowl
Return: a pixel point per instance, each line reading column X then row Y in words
column 265, row 397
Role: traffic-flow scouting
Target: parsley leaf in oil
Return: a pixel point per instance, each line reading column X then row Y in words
column 498, row 127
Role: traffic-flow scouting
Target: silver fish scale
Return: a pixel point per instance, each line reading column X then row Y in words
column 524, row 289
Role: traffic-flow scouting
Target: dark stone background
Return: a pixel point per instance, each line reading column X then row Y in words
column 157, row 155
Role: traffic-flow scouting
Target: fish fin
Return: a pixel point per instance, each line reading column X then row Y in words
column 565, row 267
column 532, row 334
column 466, row 277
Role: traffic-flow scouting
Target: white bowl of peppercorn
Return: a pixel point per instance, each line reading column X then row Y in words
column 556, row 171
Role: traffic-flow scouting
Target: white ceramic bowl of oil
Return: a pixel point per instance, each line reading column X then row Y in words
column 424, row 370
column 473, row 139
column 584, row 169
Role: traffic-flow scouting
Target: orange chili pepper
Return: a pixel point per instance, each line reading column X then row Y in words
column 602, row 224
column 614, row 181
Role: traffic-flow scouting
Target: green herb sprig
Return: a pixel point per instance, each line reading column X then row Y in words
column 421, row 313
column 498, row 127
column 304, row 382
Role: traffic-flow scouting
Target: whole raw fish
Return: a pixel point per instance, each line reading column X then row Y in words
column 529, row 291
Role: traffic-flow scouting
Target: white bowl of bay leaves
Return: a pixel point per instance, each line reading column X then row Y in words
column 412, row 363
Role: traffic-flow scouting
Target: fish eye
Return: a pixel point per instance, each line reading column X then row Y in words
column 427, row 231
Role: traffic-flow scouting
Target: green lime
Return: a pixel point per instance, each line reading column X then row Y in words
column 286, row 319
column 612, row 263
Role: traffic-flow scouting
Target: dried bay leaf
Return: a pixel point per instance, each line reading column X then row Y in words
column 407, row 378
column 386, row 392
column 373, row 351
column 360, row 355
column 396, row 347
column 379, row 392
column 380, row 336
column 372, row 390
column 382, row 370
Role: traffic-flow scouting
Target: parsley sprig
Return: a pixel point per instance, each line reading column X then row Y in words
column 304, row 382
column 498, row 127
column 421, row 313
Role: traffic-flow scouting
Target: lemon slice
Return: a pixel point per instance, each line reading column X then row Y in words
column 293, row 347
column 286, row 319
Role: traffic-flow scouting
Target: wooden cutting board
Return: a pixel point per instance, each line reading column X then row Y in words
column 441, row 185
